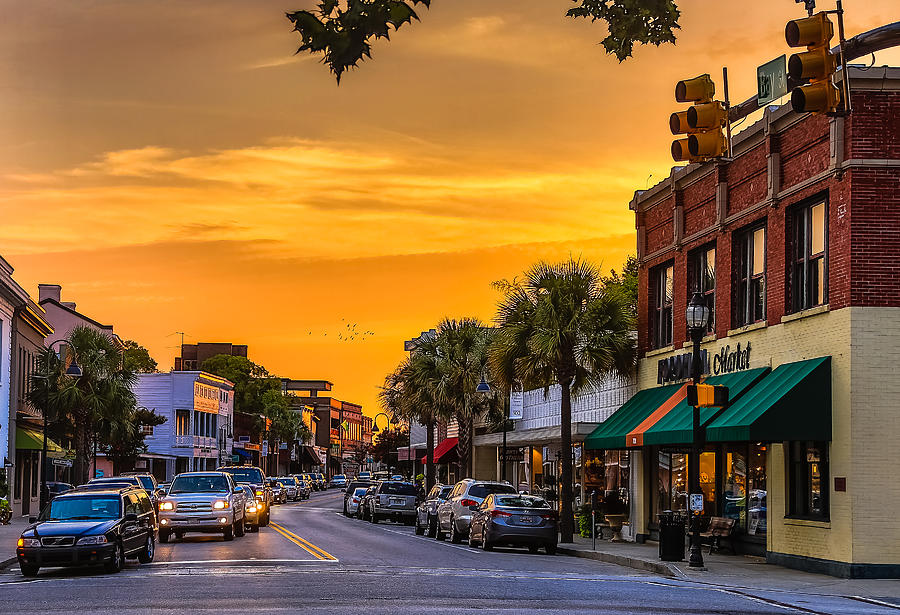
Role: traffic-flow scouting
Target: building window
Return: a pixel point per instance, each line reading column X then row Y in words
column 750, row 255
column 702, row 279
column 662, row 293
column 182, row 422
column 146, row 430
column 808, row 281
column 808, row 482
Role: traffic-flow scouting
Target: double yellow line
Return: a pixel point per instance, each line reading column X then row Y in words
column 300, row 542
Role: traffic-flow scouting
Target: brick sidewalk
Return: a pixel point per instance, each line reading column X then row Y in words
column 9, row 534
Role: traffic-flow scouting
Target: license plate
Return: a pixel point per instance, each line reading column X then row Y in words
column 397, row 502
column 195, row 521
column 526, row 520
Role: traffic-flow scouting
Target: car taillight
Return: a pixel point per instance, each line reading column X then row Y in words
column 549, row 516
column 500, row 513
column 468, row 502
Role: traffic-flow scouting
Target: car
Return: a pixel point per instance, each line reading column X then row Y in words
column 515, row 520
column 303, row 487
column 396, row 477
column 138, row 480
column 55, row 488
column 351, row 506
column 338, row 480
column 279, row 493
column 393, row 500
column 251, row 509
column 362, row 510
column 208, row 502
column 256, row 478
column 290, row 487
column 364, row 475
column 311, row 480
column 455, row 513
column 381, row 475
column 426, row 511
column 351, row 487
column 90, row 527
column 320, row 479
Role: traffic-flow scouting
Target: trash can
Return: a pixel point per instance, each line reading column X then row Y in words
column 671, row 536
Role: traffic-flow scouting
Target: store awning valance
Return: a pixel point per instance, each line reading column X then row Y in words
column 243, row 454
column 444, row 452
column 791, row 403
column 309, row 455
column 611, row 433
column 677, row 426
column 28, row 439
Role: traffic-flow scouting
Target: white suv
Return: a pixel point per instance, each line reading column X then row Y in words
column 455, row 514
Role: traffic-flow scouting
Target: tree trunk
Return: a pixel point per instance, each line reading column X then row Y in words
column 462, row 447
column 81, row 467
column 566, row 524
column 429, row 456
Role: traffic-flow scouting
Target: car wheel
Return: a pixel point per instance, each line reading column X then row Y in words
column 432, row 527
column 28, row 570
column 228, row 533
column 239, row 528
column 550, row 548
column 486, row 544
column 254, row 529
column 149, row 550
column 439, row 531
column 117, row 562
column 533, row 548
column 163, row 536
column 265, row 520
column 455, row 536
column 472, row 542
column 374, row 518
column 179, row 535
column 419, row 529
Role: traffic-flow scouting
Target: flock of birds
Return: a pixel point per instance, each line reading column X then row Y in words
column 350, row 332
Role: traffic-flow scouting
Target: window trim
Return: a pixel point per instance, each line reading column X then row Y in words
column 798, row 303
column 741, row 311
column 825, row 482
column 658, row 305
column 696, row 277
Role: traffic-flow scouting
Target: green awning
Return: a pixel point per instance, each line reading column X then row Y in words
column 677, row 426
column 28, row 439
column 791, row 403
column 611, row 432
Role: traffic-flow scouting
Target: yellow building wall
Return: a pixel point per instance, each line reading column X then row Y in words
column 864, row 526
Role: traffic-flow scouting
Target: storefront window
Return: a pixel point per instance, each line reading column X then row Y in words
column 608, row 474
column 672, row 481
column 708, row 482
column 734, row 486
column 809, row 480
column 756, row 502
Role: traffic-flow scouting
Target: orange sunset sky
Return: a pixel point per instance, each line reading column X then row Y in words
column 176, row 168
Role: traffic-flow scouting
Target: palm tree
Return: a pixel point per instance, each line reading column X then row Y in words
column 558, row 325
column 101, row 395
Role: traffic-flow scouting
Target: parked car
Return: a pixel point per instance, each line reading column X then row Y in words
column 209, row 502
column 290, row 487
column 351, row 506
column 397, row 477
column 89, row 528
column 363, row 511
column 338, row 480
column 364, row 475
column 55, row 488
column 251, row 509
column 455, row 514
column 351, row 487
column 312, row 482
column 381, row 475
column 320, row 479
column 393, row 500
column 256, row 478
column 279, row 493
column 517, row 520
column 303, row 488
column 138, row 480
column 426, row 511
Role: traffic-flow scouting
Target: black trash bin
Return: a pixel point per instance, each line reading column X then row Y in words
column 671, row 536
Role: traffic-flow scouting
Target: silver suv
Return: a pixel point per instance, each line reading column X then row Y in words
column 455, row 513
column 209, row 502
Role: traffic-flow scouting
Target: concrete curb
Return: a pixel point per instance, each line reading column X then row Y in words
column 4, row 564
column 662, row 568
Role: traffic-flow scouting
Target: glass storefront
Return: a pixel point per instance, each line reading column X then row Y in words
column 608, row 473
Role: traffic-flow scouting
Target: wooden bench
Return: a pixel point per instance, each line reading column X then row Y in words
column 719, row 528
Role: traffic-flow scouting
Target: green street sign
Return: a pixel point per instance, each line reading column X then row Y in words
column 771, row 81
column 235, row 459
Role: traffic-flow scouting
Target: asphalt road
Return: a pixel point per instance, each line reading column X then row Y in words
column 313, row 558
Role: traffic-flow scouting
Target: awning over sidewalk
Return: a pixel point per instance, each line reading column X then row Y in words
column 444, row 452
column 611, row 433
column 28, row 439
column 791, row 403
column 677, row 425
column 309, row 455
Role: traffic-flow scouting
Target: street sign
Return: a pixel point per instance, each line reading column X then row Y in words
column 516, row 405
column 265, row 449
column 235, row 459
column 697, row 502
column 66, row 463
column 98, row 474
column 771, row 81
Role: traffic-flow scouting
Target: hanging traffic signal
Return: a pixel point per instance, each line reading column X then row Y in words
column 707, row 395
column 703, row 123
column 817, row 64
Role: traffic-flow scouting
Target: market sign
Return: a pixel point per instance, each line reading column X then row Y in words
column 725, row 361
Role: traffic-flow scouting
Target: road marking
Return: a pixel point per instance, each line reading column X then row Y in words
column 430, row 540
column 230, row 561
column 305, row 544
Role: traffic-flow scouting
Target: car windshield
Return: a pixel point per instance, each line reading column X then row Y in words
column 82, row 508
column 445, row 492
column 246, row 475
column 288, row 481
column 360, row 491
column 131, row 480
column 398, row 489
column 522, row 501
column 146, row 482
column 482, row 491
column 199, row 484
column 339, row 477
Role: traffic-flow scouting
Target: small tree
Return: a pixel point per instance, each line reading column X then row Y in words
column 138, row 359
column 125, row 438
column 384, row 450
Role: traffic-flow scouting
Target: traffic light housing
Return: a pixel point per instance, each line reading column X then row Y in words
column 707, row 395
column 817, row 64
column 703, row 123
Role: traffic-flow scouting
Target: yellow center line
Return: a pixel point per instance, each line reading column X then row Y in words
column 317, row 551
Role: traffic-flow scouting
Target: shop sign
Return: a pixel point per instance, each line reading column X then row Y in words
column 512, row 454
column 516, row 405
column 725, row 361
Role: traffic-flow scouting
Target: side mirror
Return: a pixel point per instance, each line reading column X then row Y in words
column 32, row 519
column 160, row 492
column 131, row 518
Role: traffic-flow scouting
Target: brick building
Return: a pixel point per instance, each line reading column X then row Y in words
column 193, row 355
column 794, row 243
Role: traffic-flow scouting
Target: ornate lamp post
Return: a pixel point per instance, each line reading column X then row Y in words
column 391, row 420
column 484, row 388
column 697, row 315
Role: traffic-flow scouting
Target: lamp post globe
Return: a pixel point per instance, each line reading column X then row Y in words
column 697, row 314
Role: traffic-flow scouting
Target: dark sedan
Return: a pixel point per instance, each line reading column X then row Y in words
column 89, row 528
column 426, row 512
column 516, row 520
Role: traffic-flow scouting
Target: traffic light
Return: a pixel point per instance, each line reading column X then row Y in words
column 817, row 64
column 703, row 123
column 707, row 395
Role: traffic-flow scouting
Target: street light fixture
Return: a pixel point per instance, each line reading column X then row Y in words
column 484, row 388
column 73, row 371
column 697, row 316
column 391, row 419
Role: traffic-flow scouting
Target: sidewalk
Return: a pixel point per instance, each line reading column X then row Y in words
column 736, row 571
column 9, row 534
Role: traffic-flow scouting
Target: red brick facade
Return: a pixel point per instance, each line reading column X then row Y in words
column 782, row 160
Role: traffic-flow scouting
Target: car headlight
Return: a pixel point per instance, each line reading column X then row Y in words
column 93, row 540
column 251, row 508
column 29, row 542
column 167, row 505
column 259, row 492
column 220, row 504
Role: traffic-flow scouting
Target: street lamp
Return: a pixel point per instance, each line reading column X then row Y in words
column 73, row 371
column 484, row 388
column 697, row 315
column 391, row 419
